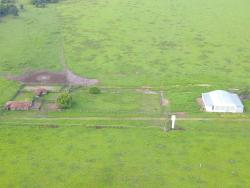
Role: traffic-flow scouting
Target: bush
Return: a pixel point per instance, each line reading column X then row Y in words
column 245, row 93
column 8, row 7
column 42, row 3
column 94, row 90
column 64, row 100
column 13, row 10
column 21, row 6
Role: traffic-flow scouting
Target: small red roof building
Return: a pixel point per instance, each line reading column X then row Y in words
column 40, row 91
column 16, row 105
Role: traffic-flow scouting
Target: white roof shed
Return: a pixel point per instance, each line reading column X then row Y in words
column 222, row 101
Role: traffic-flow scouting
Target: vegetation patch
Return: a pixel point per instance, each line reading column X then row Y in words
column 25, row 96
column 64, row 100
column 43, row 3
column 8, row 90
column 9, row 7
column 49, row 126
column 94, row 90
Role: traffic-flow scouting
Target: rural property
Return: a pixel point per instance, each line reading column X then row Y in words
column 125, row 94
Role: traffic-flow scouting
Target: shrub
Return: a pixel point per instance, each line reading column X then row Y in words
column 245, row 93
column 21, row 6
column 8, row 7
column 13, row 10
column 64, row 100
column 94, row 90
column 42, row 3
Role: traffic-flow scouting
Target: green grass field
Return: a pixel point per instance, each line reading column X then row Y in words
column 115, row 139
column 123, row 43
column 30, row 42
column 25, row 96
column 7, row 90
column 158, row 43
column 117, row 102
column 214, row 154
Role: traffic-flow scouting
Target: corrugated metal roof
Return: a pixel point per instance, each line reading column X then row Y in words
column 221, row 98
column 206, row 99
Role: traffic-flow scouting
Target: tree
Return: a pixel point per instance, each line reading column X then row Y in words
column 13, row 10
column 245, row 93
column 21, row 6
column 42, row 3
column 64, row 100
column 8, row 7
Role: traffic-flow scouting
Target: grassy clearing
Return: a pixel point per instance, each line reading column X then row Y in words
column 110, row 103
column 51, row 97
column 25, row 96
column 137, row 156
column 127, row 102
column 184, row 99
column 7, row 90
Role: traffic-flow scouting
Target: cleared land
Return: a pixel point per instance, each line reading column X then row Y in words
column 124, row 154
column 123, row 43
column 115, row 139
column 158, row 43
column 162, row 44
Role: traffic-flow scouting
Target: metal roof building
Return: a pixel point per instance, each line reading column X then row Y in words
column 222, row 101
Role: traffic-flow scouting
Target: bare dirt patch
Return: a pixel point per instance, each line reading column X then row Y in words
column 105, row 127
column 200, row 103
column 203, row 85
column 74, row 79
column 163, row 101
column 178, row 129
column 41, row 77
column 49, row 126
column 36, row 105
column 50, row 107
column 147, row 91
column 48, row 88
column 45, row 77
column 175, row 129
column 181, row 114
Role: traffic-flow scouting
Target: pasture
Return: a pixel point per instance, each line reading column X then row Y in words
column 123, row 154
column 139, row 43
column 134, row 44
column 158, row 43
column 136, row 49
column 31, row 41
